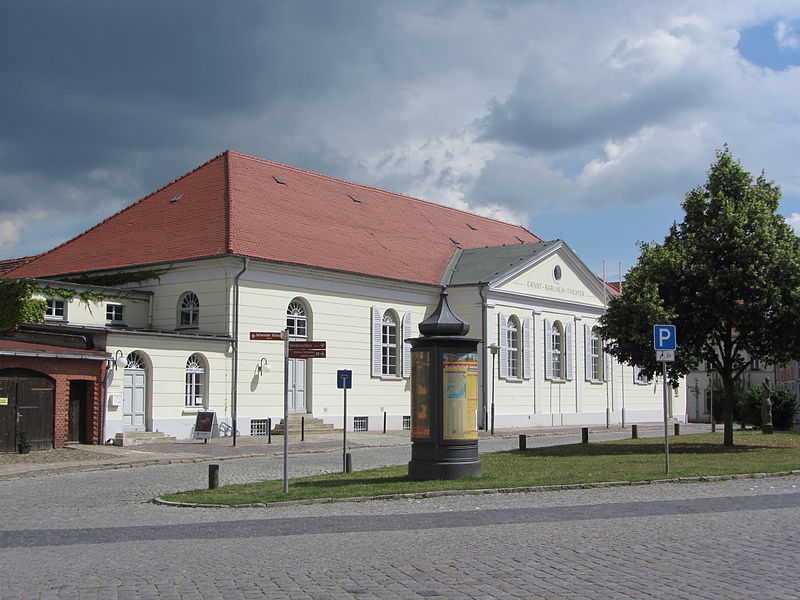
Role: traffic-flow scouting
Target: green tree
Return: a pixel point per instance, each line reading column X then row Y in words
column 728, row 278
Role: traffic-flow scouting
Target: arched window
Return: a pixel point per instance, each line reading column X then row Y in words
column 594, row 356
column 389, row 344
column 135, row 361
column 189, row 310
column 557, row 352
column 297, row 319
column 195, row 381
column 513, row 347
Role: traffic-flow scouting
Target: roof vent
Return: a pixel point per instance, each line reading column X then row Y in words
column 455, row 241
column 521, row 241
column 279, row 180
column 176, row 197
column 355, row 198
column 471, row 226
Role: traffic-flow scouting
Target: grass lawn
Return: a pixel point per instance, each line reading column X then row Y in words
column 625, row 460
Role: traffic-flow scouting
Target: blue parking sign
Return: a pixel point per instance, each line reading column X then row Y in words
column 664, row 337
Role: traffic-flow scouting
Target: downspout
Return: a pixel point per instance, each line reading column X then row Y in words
column 485, row 336
column 235, row 343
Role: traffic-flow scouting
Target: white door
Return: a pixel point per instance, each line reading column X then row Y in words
column 134, row 394
column 297, row 385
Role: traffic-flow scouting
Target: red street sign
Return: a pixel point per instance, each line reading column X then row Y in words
column 267, row 335
column 306, row 353
column 306, row 346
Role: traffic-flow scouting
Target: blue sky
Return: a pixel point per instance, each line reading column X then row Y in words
column 586, row 121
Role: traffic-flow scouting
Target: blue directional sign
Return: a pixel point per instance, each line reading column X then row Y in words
column 664, row 337
column 344, row 379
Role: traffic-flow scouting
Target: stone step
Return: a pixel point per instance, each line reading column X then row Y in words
column 309, row 426
column 137, row 438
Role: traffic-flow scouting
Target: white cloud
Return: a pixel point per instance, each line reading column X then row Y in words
column 794, row 221
column 9, row 234
column 786, row 36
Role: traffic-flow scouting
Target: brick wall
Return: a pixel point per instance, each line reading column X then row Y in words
column 64, row 370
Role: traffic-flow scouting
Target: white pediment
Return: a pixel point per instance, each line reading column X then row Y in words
column 559, row 275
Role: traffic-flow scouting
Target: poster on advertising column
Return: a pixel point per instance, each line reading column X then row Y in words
column 460, row 380
column 421, row 395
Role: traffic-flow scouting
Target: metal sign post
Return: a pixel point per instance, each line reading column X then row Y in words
column 665, row 343
column 286, row 412
column 344, row 381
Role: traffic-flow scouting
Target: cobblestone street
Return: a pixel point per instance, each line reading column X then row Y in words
column 94, row 534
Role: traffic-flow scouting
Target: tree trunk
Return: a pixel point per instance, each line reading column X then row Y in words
column 729, row 395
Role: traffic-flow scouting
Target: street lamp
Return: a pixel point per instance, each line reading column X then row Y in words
column 493, row 348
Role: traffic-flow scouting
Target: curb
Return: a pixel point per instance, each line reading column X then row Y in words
column 515, row 490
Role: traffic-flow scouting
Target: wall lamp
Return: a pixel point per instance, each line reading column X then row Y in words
column 119, row 360
column 264, row 366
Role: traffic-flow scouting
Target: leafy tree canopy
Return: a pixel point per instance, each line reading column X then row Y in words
column 728, row 278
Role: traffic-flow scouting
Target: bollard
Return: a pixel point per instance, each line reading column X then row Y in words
column 302, row 429
column 213, row 476
column 584, row 435
column 269, row 431
column 634, row 432
column 348, row 463
column 677, row 428
column 523, row 442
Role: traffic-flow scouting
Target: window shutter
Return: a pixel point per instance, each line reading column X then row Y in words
column 604, row 361
column 406, row 346
column 569, row 351
column 377, row 323
column 548, row 349
column 587, row 350
column 502, row 328
column 527, row 349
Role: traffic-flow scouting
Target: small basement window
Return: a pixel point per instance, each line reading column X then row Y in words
column 360, row 423
column 406, row 422
column 259, row 427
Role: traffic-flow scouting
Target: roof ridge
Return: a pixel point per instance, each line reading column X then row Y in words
column 376, row 189
column 119, row 212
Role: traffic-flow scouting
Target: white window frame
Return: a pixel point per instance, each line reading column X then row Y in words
column 638, row 379
column 557, row 352
column 54, row 307
column 297, row 320
column 513, row 336
column 594, row 355
column 195, row 389
column 115, row 313
column 189, row 306
column 389, row 344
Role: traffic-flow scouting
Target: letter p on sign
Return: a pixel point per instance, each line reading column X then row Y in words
column 664, row 337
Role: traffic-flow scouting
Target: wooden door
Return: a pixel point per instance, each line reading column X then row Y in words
column 27, row 404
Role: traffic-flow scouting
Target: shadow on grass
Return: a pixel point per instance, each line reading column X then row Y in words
column 577, row 450
column 351, row 481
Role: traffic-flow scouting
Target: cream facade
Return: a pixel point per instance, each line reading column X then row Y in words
column 187, row 344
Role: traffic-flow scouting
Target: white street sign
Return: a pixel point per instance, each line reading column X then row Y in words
column 665, row 355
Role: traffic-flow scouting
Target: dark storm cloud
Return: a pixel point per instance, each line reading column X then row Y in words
column 96, row 84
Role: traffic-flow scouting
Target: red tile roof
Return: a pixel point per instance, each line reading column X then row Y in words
column 12, row 263
column 236, row 204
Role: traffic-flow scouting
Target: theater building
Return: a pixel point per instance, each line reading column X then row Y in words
column 168, row 291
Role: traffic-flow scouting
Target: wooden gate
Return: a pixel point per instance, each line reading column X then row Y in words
column 27, row 404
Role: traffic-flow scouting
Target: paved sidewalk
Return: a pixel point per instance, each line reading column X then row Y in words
column 82, row 457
